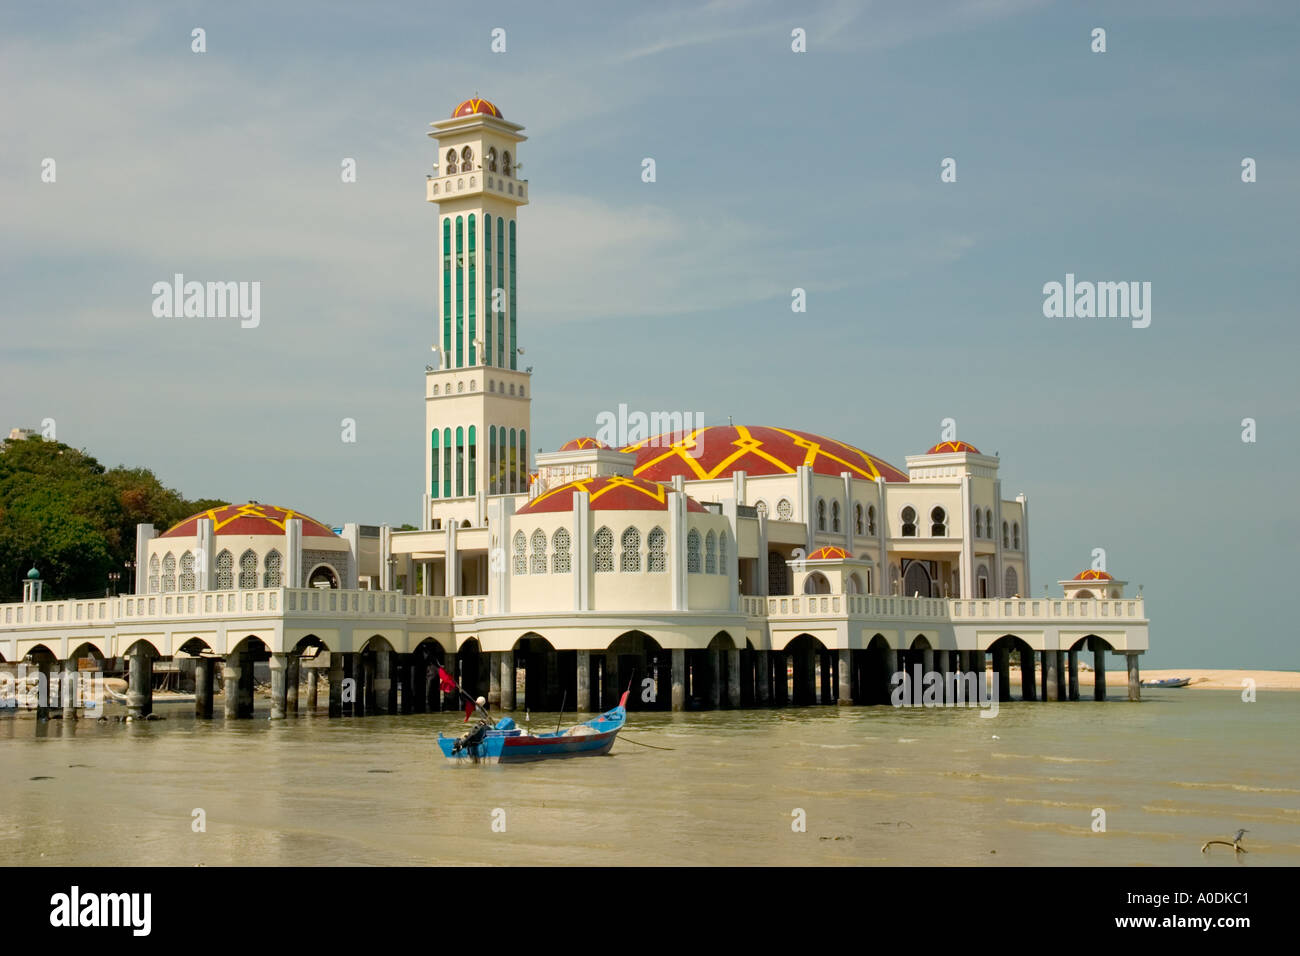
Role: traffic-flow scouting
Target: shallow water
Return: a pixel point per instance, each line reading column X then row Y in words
column 877, row 785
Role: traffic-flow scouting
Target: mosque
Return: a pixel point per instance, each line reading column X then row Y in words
column 706, row 566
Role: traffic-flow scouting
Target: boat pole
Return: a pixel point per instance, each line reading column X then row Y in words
column 563, row 699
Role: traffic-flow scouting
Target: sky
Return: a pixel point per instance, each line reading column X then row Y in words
column 775, row 170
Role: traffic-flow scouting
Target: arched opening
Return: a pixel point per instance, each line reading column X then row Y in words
column 1011, row 584
column 322, row 576
column 982, row 581
column 853, row 584
column 778, row 574
column 245, row 676
column 917, row 580
column 1094, row 671
column 709, row 673
column 808, row 668
column 816, row 583
column 539, row 682
column 630, row 660
column 876, row 668
column 472, row 671
column 1013, row 662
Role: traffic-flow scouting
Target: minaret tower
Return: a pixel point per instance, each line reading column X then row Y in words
column 476, row 396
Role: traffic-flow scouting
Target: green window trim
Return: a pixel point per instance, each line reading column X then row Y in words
column 473, row 461
column 513, row 471
column 460, row 291
column 446, row 286
column 487, row 289
column 501, row 278
column 460, row 462
column 472, row 298
column 514, row 345
column 502, row 483
column 433, row 491
column 492, row 459
column 446, row 463
column 523, row 460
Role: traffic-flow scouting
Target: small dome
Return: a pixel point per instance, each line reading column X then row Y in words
column 476, row 105
column 33, row 575
column 251, row 518
column 611, row 493
column 577, row 444
column 949, row 447
column 829, row 553
column 1091, row 575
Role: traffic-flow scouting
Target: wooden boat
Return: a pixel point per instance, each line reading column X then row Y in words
column 1168, row 682
column 503, row 742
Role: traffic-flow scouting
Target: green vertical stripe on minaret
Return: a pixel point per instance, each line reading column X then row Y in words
column 501, row 278
column 523, row 460
column 473, row 298
column 446, row 462
column 446, row 286
column 433, row 491
column 460, row 292
column 512, row 470
column 473, row 460
column 502, row 483
column 460, row 461
column 487, row 290
column 492, row 450
column 514, row 350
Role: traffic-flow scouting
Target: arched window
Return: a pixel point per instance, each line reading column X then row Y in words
column 604, row 550
column 778, row 573
column 435, row 389
column 492, row 386
column 979, row 523
column 988, row 523
column 821, row 514
column 871, row 519
column 492, row 159
column 153, row 575
column 505, row 162
column 982, row 582
column 853, row 585
column 760, row 507
column 722, row 552
column 711, row 553
column 1011, row 583
column 658, row 562
column 1015, row 536
column 1006, row 540
column 909, row 522
column 631, row 557
column 938, row 523
column 460, row 386
column 538, row 563
column 225, row 571
column 520, row 560
column 561, row 555
column 187, row 571
column 894, row 584
column 467, row 158
column 784, row 510
column 452, row 168
column 835, row 517
column 169, row 572
column 857, row 519
column 693, row 552
column 473, row 385
column 816, row 583
column 271, row 575
column 248, row 569
column 917, row 581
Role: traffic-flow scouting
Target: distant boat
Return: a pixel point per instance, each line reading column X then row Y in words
column 506, row 743
column 1168, row 682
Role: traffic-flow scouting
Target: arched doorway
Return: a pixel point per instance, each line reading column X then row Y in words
column 323, row 576
column 636, row 661
column 917, row 580
column 816, row 583
column 810, row 667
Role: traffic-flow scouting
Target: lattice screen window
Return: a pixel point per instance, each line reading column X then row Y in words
column 225, row 571
column 604, row 550
column 784, row 510
column 722, row 552
column 169, row 572
column 272, row 577
column 153, row 575
column 520, row 562
column 631, row 557
column 711, row 553
column 248, row 569
column 561, row 548
column 658, row 559
column 187, row 571
column 539, row 552
column 693, row 552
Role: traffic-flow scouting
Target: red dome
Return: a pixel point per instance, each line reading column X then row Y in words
column 476, row 105
column 1091, row 575
column 948, row 447
column 577, row 444
column 829, row 553
column 611, row 493
column 249, row 519
column 718, row 451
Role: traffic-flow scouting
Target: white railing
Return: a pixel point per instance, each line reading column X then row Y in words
column 945, row 609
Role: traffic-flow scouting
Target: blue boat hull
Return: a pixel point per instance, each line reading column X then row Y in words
column 514, row 746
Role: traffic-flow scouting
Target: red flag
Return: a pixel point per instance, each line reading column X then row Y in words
column 445, row 683
column 469, row 711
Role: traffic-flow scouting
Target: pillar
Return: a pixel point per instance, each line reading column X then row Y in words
column 292, row 674
column 1098, row 673
column 244, row 699
column 203, row 675
column 762, row 678
column 977, row 664
column 68, row 689
column 139, row 691
column 336, row 685
column 679, row 678
column 733, row 678
column 508, row 680
column 1062, row 688
column 1050, row 672
column 313, row 688
column 781, row 666
column 1074, row 675
column 715, row 677
column 1028, row 688
column 553, row 694
column 1134, row 680
column 584, row 682
column 609, row 689
column 405, row 671
column 941, row 668
column 494, row 680
column 358, row 676
column 230, row 679
column 383, row 682
column 845, row 696
column 277, row 686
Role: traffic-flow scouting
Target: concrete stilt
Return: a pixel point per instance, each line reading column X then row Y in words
column 679, row 678
column 292, row 674
column 733, row 678
column 845, row 696
column 927, row 661
column 313, row 689
column 383, row 682
column 762, row 678
column 508, row 680
column 1074, row 675
column 1062, row 690
column 230, row 679
column 941, row 668
column 1134, row 679
column 1050, row 672
column 277, row 686
column 139, row 691
column 1002, row 667
column 715, row 678
column 405, row 672
column 68, row 689
column 584, row 682
column 1028, row 679
column 359, row 702
column 494, row 680
column 609, row 689
column 43, row 689
column 336, row 685
column 1098, row 673
column 203, row 668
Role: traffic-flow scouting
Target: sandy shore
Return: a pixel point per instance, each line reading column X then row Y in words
column 1204, row 679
